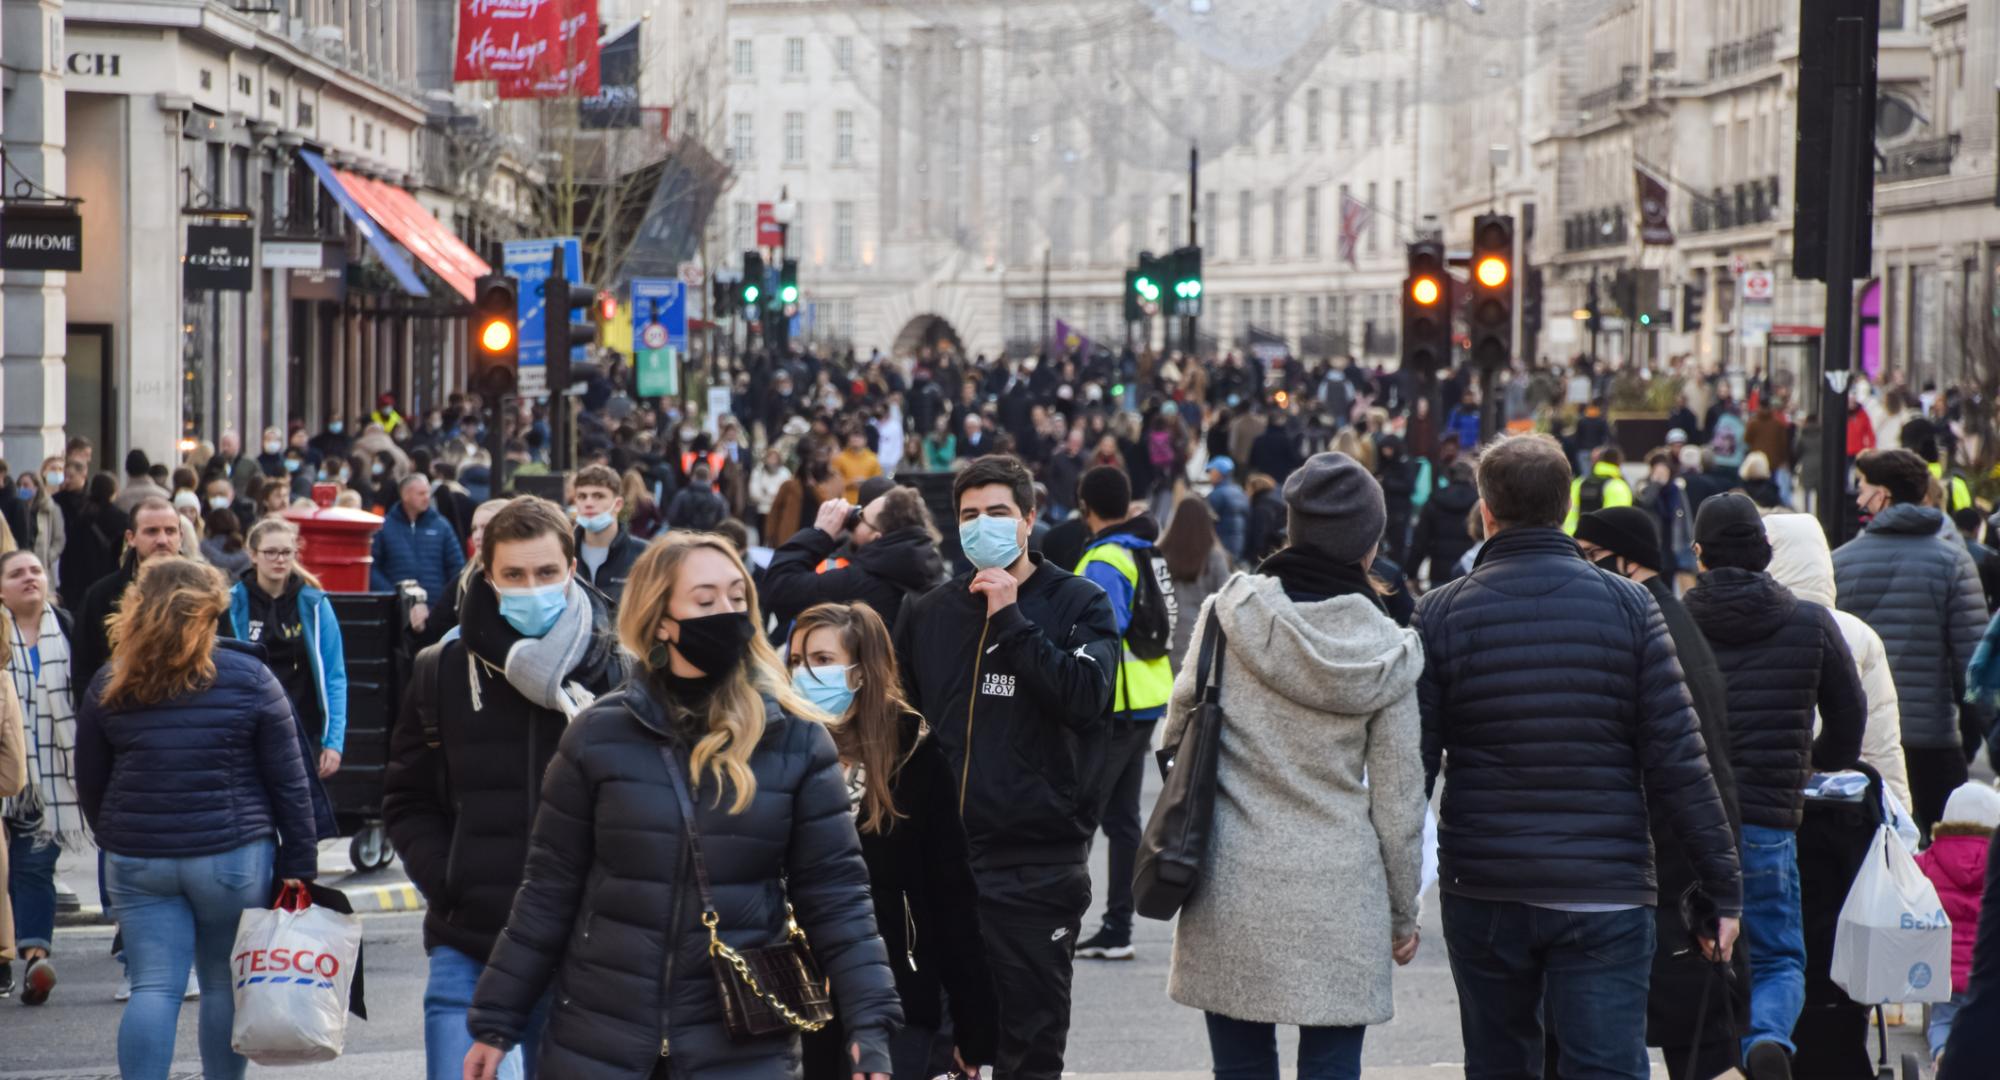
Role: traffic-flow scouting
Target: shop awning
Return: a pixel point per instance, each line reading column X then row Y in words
column 392, row 257
column 434, row 244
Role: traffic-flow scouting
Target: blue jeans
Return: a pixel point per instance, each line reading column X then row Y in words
column 177, row 912
column 1585, row 973
column 447, row 997
column 1942, row 1014
column 1247, row 1050
column 1773, row 929
column 31, row 886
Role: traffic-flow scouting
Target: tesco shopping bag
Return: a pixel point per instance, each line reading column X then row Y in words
column 1893, row 942
column 291, row 969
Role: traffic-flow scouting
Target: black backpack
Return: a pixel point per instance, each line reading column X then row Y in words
column 1150, row 634
column 1590, row 494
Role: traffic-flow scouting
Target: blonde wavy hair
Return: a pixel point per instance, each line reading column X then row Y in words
column 736, row 710
column 163, row 634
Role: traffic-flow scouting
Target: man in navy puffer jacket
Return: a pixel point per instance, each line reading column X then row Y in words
column 1556, row 709
column 417, row 544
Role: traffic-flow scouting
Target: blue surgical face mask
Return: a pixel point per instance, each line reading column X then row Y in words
column 596, row 522
column 533, row 611
column 292, row 464
column 335, row 427
column 824, row 686
column 27, row 492
column 55, row 479
column 990, row 542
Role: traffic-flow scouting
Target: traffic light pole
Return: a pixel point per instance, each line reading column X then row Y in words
column 1194, row 238
column 1852, row 61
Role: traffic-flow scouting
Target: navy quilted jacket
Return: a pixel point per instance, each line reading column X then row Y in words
column 1555, row 707
column 1781, row 657
column 426, row 551
column 202, row 773
column 1921, row 592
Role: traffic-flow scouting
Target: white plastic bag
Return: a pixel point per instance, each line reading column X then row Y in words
column 1893, row 943
column 291, row 969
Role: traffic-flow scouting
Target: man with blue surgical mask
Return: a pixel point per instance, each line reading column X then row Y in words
column 605, row 552
column 1014, row 666
column 479, row 724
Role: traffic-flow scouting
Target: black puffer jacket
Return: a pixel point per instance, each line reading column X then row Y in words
column 924, row 907
column 610, row 576
column 880, row 574
column 609, row 914
column 1921, row 592
column 1441, row 535
column 459, row 812
column 1554, row 704
column 1782, row 657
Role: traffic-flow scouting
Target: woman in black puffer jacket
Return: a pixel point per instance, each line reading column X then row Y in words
column 609, row 913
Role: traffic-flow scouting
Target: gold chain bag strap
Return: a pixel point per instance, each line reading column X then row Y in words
column 765, row 991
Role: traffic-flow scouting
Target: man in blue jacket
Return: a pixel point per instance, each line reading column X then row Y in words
column 1554, row 705
column 417, row 544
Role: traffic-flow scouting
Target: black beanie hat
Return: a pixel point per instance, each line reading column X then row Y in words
column 1625, row 531
column 1731, row 533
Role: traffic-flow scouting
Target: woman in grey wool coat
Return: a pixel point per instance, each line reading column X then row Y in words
column 1310, row 889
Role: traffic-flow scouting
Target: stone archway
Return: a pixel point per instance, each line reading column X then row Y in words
column 927, row 332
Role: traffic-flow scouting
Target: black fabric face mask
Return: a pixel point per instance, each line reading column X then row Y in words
column 1609, row 564
column 716, row 643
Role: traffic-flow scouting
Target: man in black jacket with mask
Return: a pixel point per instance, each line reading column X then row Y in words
column 1781, row 658
column 1014, row 665
column 895, row 556
column 481, row 720
column 1555, row 708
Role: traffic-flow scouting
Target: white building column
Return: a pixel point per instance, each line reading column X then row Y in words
column 33, row 338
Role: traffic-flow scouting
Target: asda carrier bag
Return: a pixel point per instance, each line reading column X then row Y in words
column 291, row 969
column 1893, row 943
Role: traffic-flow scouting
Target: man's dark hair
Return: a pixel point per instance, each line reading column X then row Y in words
column 137, row 464
column 1968, row 520
column 597, row 476
column 1004, row 469
column 903, row 508
column 1901, row 471
column 526, row 518
column 736, row 533
column 1106, row 492
column 1524, row 481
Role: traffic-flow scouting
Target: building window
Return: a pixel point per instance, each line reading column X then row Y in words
column 1278, row 124
column 1211, row 219
column 843, row 137
column 843, row 234
column 843, row 55
column 1312, row 116
column 1374, row 112
column 746, row 58
column 743, row 137
column 1244, row 204
column 1062, row 224
column 1135, row 217
column 1892, row 14
column 1374, row 218
column 1395, row 209
column 1277, row 223
column 742, row 224
column 1017, row 119
column 1312, row 314
column 795, row 138
column 244, row 85
column 1100, row 229
column 1397, row 119
column 795, row 57
column 1017, row 233
column 1175, row 220
column 1312, row 221
column 368, row 135
column 1246, row 123
column 305, row 114
column 1246, row 310
column 1346, row 115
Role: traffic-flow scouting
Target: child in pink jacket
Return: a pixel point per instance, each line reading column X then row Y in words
column 1956, row 864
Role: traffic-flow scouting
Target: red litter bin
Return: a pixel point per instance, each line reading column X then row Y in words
column 335, row 544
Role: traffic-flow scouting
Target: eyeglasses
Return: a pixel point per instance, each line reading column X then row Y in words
column 278, row 553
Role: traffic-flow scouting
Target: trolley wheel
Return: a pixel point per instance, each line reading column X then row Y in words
column 369, row 849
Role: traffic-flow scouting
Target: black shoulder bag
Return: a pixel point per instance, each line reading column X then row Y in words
column 1176, row 841
column 766, row 991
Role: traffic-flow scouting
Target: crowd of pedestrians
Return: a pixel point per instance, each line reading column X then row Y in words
column 857, row 674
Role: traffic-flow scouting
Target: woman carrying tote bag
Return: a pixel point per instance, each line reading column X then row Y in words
column 1309, row 889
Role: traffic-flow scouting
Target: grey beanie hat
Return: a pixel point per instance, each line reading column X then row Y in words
column 1335, row 507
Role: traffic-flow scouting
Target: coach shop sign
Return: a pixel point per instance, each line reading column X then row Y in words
column 40, row 237
column 218, row 258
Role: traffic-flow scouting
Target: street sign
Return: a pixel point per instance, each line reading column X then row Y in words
column 527, row 261
column 691, row 275
column 658, row 370
column 1759, row 286
column 659, row 334
column 718, row 407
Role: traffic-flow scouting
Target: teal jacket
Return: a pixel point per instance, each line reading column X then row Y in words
column 329, row 662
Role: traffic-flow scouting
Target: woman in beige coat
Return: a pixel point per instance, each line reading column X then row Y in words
column 13, row 778
column 1310, row 887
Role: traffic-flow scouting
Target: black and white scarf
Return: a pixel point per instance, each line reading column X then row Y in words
column 47, row 808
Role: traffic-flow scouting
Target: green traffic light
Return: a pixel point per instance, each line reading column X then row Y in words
column 789, row 294
column 750, row 294
column 1645, row 320
column 1147, row 288
column 1188, row 289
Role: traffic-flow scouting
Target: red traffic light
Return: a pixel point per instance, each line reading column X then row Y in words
column 607, row 306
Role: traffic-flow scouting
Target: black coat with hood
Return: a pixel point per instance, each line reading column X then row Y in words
column 899, row 564
column 921, row 882
column 459, row 804
column 609, row 914
column 1781, row 657
column 1020, row 702
column 1441, row 535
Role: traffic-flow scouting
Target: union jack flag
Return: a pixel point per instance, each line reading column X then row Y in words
column 1354, row 215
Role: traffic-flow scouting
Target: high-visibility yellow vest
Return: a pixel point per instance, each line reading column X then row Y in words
column 1141, row 684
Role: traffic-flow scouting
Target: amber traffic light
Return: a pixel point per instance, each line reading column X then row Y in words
column 496, row 311
column 1425, row 291
column 1491, row 313
column 1427, row 308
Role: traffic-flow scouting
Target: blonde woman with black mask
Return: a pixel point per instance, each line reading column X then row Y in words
column 624, row 905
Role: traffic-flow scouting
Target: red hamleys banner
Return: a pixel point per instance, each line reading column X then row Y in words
column 573, row 63
column 503, row 39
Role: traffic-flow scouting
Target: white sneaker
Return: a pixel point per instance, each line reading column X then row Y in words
column 124, row 991
column 193, row 991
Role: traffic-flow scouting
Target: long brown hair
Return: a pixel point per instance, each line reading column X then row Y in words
column 870, row 735
column 1189, row 539
column 736, row 709
column 163, row 634
column 279, row 526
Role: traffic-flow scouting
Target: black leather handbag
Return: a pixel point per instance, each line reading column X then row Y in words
column 1175, row 845
column 772, row 990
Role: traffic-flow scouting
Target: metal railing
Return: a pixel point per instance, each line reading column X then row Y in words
column 1737, row 57
column 1920, row 160
column 1605, row 227
column 1751, row 202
